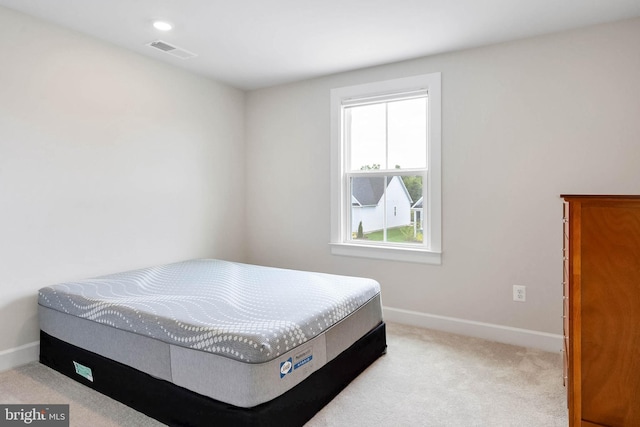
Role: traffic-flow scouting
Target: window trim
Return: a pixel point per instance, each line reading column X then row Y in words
column 431, row 254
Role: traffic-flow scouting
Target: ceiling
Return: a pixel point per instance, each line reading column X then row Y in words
column 251, row 44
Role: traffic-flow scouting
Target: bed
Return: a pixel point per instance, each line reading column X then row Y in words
column 207, row 341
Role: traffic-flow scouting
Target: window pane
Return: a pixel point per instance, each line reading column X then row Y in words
column 384, row 210
column 407, row 121
column 366, row 129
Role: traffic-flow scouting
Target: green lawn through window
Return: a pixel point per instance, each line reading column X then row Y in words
column 398, row 234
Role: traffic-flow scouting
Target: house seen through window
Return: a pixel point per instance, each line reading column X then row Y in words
column 387, row 176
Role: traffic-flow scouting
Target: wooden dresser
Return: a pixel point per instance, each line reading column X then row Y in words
column 602, row 309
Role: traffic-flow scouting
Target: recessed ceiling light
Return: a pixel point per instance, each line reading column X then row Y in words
column 162, row 26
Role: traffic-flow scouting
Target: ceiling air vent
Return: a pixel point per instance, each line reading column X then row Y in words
column 172, row 50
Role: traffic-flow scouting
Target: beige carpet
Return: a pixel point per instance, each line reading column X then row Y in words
column 427, row 378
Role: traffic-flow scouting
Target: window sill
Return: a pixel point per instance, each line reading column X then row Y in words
column 387, row 253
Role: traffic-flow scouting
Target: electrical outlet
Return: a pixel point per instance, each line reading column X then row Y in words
column 519, row 293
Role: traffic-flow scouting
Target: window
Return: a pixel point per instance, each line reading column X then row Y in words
column 385, row 163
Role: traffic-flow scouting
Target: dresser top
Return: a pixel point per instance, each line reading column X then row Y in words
column 600, row 196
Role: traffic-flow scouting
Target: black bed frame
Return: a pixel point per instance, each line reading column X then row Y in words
column 177, row 406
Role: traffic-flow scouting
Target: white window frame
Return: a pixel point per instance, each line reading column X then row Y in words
column 430, row 251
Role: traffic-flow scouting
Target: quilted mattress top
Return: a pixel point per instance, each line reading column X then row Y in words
column 241, row 311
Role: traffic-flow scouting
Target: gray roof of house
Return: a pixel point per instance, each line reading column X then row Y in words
column 368, row 191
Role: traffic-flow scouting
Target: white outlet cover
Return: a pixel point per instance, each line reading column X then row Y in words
column 519, row 293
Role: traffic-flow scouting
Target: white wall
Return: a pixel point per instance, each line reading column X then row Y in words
column 108, row 161
column 523, row 122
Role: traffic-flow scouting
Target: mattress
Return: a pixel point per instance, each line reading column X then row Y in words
column 237, row 333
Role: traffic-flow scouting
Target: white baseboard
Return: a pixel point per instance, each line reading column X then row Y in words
column 19, row 356
column 488, row 331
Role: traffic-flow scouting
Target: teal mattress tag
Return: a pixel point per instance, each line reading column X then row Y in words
column 83, row 371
